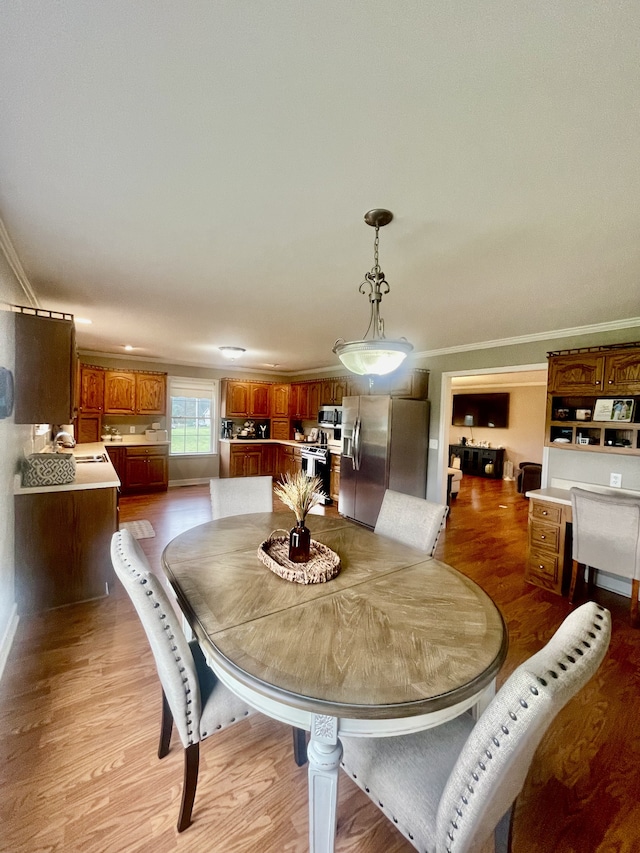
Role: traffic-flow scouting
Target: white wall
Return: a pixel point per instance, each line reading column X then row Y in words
column 12, row 438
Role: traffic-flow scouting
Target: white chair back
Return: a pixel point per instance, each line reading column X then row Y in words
column 606, row 532
column 240, row 495
column 411, row 520
column 493, row 764
column 171, row 651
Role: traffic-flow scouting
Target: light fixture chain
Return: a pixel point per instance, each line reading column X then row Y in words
column 376, row 244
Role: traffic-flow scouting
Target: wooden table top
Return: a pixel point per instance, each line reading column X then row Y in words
column 395, row 634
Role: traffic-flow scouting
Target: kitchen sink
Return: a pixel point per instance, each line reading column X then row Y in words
column 91, row 457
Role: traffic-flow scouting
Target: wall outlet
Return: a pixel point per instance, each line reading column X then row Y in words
column 433, row 444
column 615, row 480
column 132, row 430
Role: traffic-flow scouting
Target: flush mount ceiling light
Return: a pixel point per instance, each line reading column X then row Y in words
column 232, row 353
column 375, row 356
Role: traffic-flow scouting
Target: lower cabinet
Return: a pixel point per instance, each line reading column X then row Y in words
column 141, row 468
column 549, row 546
column 334, row 482
column 147, row 468
column 247, row 460
column 62, row 547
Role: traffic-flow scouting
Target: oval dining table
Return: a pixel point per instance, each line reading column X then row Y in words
column 397, row 642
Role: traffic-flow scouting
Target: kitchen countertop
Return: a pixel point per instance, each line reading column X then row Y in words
column 89, row 475
column 287, row 442
column 126, row 441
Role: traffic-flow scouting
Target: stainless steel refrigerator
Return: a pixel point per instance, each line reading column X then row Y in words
column 384, row 446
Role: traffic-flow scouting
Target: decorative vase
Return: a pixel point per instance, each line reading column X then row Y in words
column 299, row 543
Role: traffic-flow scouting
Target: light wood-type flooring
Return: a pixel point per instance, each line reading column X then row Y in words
column 80, row 711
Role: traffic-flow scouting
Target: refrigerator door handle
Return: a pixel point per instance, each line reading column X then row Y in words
column 356, row 445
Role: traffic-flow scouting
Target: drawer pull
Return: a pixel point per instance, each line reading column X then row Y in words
column 541, row 566
column 544, row 512
column 543, row 536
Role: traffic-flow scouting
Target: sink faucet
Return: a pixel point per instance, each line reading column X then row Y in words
column 65, row 439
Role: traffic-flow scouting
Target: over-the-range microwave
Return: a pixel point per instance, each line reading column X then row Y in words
column 330, row 416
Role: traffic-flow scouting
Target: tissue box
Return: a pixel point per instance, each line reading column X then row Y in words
column 48, row 469
column 150, row 434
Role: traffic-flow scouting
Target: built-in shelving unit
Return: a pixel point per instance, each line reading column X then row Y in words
column 577, row 380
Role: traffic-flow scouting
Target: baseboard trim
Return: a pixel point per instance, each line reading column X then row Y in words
column 7, row 639
column 196, row 481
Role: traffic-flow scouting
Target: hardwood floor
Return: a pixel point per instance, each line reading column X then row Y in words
column 80, row 715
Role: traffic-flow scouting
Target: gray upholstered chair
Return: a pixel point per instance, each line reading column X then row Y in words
column 241, row 495
column 448, row 788
column 606, row 536
column 192, row 696
column 414, row 521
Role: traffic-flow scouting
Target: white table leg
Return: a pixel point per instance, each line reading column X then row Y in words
column 487, row 695
column 324, row 752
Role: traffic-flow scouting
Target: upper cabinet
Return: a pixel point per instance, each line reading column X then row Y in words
column 119, row 393
column 577, row 380
column 45, row 367
column 280, row 395
column 596, row 373
column 151, row 393
column 576, row 374
column 91, row 390
column 242, row 399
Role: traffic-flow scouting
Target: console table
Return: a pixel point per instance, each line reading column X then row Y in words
column 474, row 460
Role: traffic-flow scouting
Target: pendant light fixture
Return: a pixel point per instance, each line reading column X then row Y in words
column 375, row 356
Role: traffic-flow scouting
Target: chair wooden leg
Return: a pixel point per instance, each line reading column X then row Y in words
column 635, row 589
column 191, row 764
column 166, row 726
column 300, row 746
column 577, row 575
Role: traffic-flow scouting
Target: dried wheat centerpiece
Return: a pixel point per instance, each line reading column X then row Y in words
column 296, row 557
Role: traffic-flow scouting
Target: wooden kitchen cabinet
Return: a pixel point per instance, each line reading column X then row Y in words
column 549, row 546
column 286, row 460
column 609, row 371
column 146, row 468
column 300, row 400
column 281, row 429
column 91, row 390
column 45, row 367
column 333, row 390
column 246, row 460
column 118, row 457
column 334, row 482
column 151, row 393
column 119, row 393
column 279, row 403
column 258, row 400
column 576, row 381
column 245, row 399
column 91, row 404
column 315, row 400
column 62, row 542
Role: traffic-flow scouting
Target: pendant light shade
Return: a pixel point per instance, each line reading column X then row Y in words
column 375, row 356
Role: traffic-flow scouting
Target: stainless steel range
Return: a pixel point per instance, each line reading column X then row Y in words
column 316, row 462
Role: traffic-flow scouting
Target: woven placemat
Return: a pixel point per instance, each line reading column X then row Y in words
column 323, row 564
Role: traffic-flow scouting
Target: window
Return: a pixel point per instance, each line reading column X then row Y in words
column 192, row 415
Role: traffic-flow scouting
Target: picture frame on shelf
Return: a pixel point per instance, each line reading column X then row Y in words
column 614, row 409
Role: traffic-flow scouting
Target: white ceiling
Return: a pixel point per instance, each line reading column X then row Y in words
column 194, row 174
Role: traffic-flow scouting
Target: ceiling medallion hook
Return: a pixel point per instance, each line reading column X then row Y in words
column 375, row 356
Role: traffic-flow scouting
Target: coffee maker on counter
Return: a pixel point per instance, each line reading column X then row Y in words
column 227, row 428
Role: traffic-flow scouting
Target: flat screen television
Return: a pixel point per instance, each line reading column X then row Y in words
column 487, row 410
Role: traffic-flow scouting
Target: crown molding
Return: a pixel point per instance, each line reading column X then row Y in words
column 11, row 257
column 597, row 328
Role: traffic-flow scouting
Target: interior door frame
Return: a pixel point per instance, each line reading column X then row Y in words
column 446, row 406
